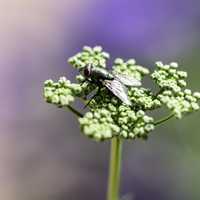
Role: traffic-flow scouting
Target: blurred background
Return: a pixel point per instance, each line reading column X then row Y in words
column 43, row 155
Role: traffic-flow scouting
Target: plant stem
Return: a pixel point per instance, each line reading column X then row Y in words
column 76, row 112
column 115, row 169
column 164, row 119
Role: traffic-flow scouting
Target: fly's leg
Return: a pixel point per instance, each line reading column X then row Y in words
column 86, row 81
column 96, row 94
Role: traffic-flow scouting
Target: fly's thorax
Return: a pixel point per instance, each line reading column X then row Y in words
column 99, row 73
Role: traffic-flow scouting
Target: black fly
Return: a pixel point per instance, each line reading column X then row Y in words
column 116, row 83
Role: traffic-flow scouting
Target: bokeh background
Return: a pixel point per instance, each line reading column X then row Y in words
column 43, row 155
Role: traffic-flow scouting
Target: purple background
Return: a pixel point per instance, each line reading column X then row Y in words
column 43, row 155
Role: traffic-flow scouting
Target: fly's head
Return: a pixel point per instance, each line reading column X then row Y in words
column 87, row 71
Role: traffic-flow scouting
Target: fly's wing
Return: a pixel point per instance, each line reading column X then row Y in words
column 118, row 89
column 127, row 80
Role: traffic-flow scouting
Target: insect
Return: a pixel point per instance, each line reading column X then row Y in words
column 115, row 83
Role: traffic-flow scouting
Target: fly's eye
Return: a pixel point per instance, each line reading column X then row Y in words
column 86, row 72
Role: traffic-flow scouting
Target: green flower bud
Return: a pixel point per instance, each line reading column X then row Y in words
column 87, row 49
column 118, row 61
column 182, row 74
column 140, row 113
column 195, row 106
column 159, row 64
column 197, row 95
column 105, row 55
column 182, row 83
column 165, row 67
column 149, row 127
column 147, row 119
column 89, row 115
column 80, row 78
column 63, row 100
column 48, row 83
column 174, row 65
column 124, row 134
column 190, row 98
column 131, row 62
column 168, row 93
column 187, row 91
column 55, row 99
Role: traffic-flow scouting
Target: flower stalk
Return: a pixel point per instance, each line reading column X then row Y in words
column 115, row 169
column 163, row 119
column 73, row 110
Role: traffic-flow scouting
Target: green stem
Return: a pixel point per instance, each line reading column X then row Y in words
column 76, row 112
column 115, row 169
column 164, row 119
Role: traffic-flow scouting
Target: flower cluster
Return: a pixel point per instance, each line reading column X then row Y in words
column 108, row 117
column 61, row 93
column 94, row 56
column 172, row 89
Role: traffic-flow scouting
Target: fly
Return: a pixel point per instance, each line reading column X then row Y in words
column 115, row 83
